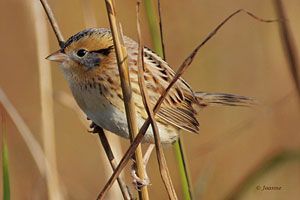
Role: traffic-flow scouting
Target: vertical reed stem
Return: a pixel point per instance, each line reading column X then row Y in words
column 90, row 21
column 162, row 163
column 157, row 38
column 127, row 92
column 154, row 30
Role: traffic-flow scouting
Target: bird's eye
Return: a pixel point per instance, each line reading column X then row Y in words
column 81, row 53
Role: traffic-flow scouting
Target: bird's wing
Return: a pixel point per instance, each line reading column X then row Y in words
column 177, row 108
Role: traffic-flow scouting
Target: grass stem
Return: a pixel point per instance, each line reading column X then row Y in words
column 157, row 38
column 5, row 165
column 164, row 171
column 121, row 55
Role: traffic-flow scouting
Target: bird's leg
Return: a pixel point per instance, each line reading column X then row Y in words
column 137, row 181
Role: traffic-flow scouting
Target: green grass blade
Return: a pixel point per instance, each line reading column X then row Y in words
column 5, row 168
column 153, row 27
column 179, row 151
column 183, row 173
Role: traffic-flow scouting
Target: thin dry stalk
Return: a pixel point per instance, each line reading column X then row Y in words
column 161, row 30
column 90, row 21
column 127, row 92
column 289, row 44
column 179, row 72
column 53, row 23
column 69, row 102
column 46, row 91
column 113, row 162
column 164, row 171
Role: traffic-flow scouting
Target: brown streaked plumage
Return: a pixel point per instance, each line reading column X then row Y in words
column 89, row 64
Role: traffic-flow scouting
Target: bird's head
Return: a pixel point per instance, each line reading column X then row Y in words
column 85, row 50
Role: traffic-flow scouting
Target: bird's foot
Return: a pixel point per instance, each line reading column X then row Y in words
column 137, row 181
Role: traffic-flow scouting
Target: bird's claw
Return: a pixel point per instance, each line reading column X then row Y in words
column 95, row 128
column 137, row 181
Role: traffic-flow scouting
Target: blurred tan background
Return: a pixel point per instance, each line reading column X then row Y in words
column 246, row 57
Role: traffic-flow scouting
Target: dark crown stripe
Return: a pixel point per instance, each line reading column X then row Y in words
column 84, row 33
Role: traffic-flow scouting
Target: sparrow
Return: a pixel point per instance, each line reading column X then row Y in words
column 88, row 62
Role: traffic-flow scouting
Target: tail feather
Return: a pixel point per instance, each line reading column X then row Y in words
column 206, row 99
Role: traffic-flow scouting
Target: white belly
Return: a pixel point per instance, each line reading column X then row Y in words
column 104, row 114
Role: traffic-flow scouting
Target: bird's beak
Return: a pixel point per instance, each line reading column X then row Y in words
column 57, row 56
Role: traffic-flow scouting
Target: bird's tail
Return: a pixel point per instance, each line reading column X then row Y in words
column 206, row 99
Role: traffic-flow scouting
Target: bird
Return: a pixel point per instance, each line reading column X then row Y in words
column 88, row 62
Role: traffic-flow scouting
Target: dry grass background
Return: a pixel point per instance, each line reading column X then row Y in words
column 245, row 58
